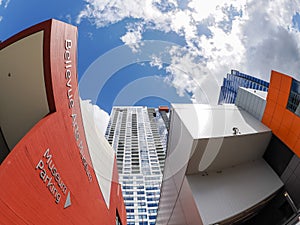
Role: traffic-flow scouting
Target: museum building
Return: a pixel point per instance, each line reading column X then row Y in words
column 55, row 167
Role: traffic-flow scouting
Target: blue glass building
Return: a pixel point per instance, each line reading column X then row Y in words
column 236, row 79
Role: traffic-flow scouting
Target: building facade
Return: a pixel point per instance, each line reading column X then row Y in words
column 236, row 79
column 235, row 164
column 214, row 167
column 281, row 115
column 55, row 169
column 138, row 135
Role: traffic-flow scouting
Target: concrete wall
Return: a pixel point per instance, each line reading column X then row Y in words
column 252, row 101
column 171, row 210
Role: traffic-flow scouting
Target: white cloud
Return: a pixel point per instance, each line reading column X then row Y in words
column 189, row 73
column 6, row 3
column 270, row 41
column 251, row 36
column 101, row 118
column 133, row 36
column 90, row 35
column 5, row 6
column 156, row 62
column 69, row 18
column 105, row 12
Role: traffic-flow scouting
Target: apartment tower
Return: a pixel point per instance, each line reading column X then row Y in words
column 139, row 136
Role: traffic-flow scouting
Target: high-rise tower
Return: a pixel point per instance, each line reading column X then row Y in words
column 138, row 135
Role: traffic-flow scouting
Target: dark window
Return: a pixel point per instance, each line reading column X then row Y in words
column 152, row 210
column 141, row 210
column 127, row 187
column 130, row 210
column 142, row 216
column 143, row 223
column 152, row 205
column 4, row 150
column 294, row 98
column 152, row 199
column 118, row 220
column 141, row 203
column 152, row 188
column 130, row 217
column 152, row 217
column 277, row 155
column 129, row 204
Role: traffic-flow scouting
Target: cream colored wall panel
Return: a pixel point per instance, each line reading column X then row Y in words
column 23, row 96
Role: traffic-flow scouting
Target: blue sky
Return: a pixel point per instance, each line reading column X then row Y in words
column 194, row 44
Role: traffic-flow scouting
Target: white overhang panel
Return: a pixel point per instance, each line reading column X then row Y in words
column 220, row 196
column 102, row 154
column 218, row 146
column 216, row 154
column 214, row 121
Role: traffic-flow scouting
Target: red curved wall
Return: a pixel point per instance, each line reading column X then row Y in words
column 27, row 196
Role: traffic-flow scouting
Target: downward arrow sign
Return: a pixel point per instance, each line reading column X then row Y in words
column 68, row 201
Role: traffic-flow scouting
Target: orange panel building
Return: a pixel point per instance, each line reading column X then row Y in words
column 284, row 123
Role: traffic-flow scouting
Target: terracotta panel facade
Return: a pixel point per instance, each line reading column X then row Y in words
column 284, row 123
